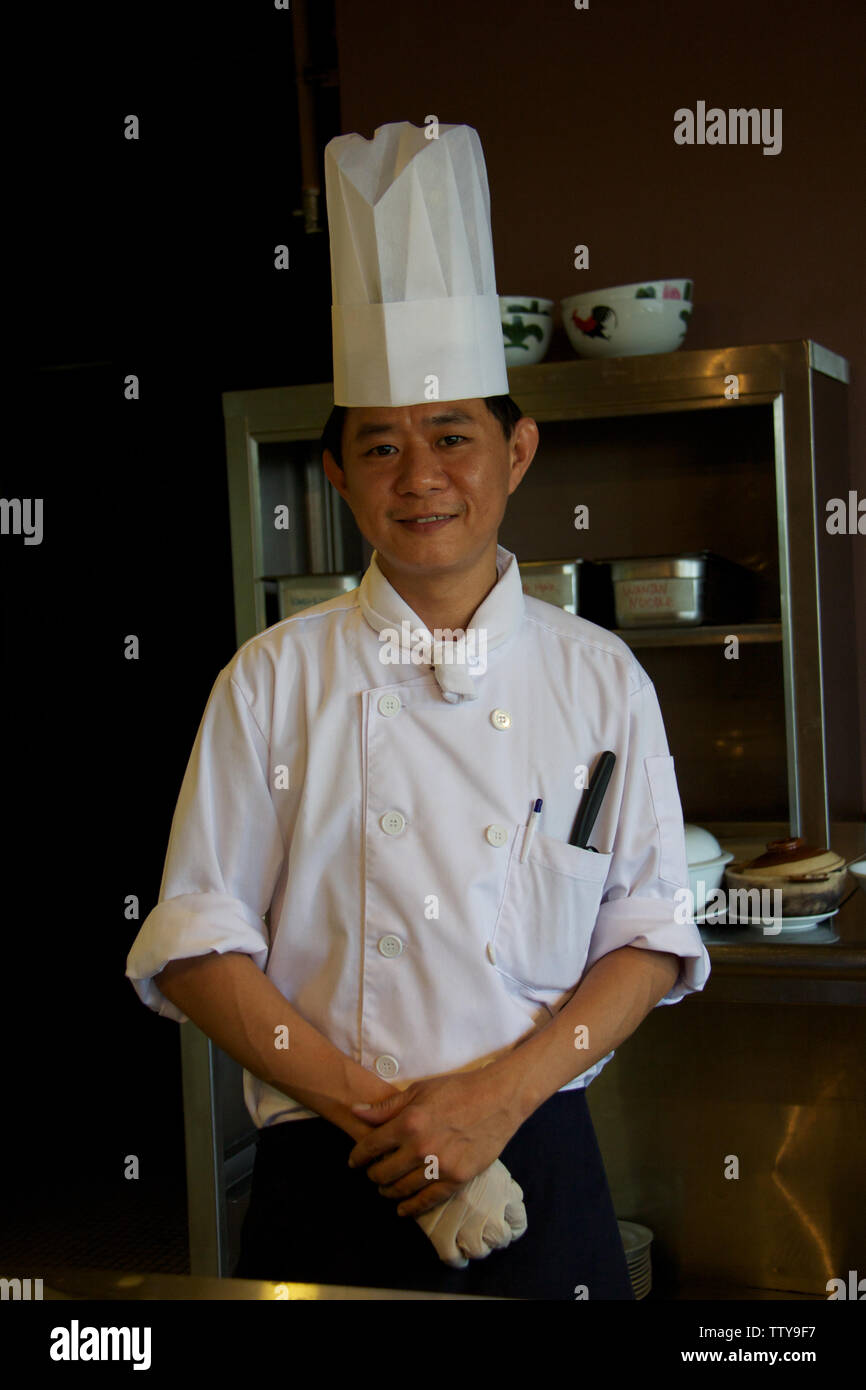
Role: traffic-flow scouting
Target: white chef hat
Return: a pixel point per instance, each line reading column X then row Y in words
column 412, row 275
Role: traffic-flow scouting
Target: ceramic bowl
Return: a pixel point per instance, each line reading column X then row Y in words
column 624, row 327
column 809, row 880
column 707, row 861
column 858, row 873
column 701, row 844
column 527, row 325
column 645, row 289
column 706, row 877
column 801, row 897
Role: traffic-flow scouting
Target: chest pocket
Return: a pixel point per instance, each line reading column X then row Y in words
column 548, row 912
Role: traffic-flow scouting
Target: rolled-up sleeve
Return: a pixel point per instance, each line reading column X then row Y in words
column 224, row 854
column 643, row 904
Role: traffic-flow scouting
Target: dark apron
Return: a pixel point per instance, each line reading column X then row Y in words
column 313, row 1220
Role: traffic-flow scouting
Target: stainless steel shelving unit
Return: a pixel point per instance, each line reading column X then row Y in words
column 801, row 384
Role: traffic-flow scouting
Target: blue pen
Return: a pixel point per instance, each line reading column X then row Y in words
column 530, row 828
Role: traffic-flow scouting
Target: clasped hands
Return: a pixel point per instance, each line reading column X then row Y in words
column 469, row 1204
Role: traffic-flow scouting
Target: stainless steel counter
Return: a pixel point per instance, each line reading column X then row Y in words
column 77, row 1285
column 98, row 1284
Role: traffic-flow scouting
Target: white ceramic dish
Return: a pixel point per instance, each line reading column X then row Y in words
column 525, row 304
column 527, row 325
column 787, row 924
column 646, row 289
column 705, row 878
column 635, row 1238
column 707, row 862
column 701, row 844
column 857, row 870
column 624, row 328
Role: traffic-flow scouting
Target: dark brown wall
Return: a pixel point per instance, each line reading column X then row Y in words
column 575, row 110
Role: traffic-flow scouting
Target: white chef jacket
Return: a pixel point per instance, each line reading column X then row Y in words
column 356, row 828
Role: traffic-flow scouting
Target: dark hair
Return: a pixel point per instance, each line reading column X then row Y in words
column 506, row 410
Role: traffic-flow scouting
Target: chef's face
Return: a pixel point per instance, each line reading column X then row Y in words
column 440, row 458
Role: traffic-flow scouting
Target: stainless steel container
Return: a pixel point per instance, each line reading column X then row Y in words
column 301, row 591
column 552, row 581
column 659, row 591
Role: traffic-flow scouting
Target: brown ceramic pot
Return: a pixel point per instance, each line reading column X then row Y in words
column 810, row 880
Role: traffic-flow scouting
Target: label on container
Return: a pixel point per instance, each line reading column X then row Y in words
column 645, row 599
column 560, row 589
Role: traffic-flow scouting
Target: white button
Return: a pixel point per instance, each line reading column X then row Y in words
column 500, row 719
column 390, row 704
column 386, row 1065
column 390, row 945
column 491, row 954
column 496, row 835
column 392, row 822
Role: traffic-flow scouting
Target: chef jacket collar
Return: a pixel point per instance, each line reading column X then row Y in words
column 456, row 665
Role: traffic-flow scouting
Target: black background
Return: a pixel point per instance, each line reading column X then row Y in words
column 152, row 257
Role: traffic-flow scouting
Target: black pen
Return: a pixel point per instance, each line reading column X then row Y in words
column 587, row 811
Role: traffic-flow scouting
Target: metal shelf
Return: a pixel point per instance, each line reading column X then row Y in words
column 699, row 636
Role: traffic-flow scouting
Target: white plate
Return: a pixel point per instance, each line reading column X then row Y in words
column 636, row 1238
column 786, row 924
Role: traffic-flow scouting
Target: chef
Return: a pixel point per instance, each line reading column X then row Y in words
column 369, row 898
